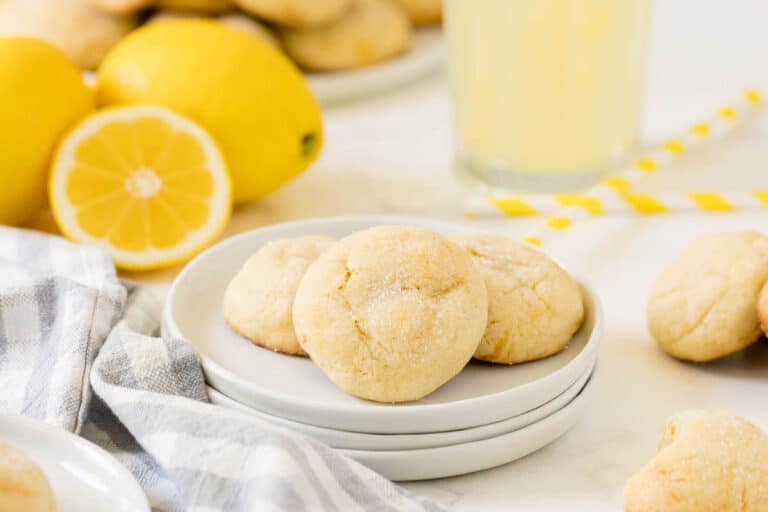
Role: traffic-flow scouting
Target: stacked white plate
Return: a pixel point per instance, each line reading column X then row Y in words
column 486, row 416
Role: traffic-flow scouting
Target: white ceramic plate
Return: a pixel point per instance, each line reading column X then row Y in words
column 425, row 55
column 84, row 477
column 295, row 389
column 363, row 441
column 459, row 459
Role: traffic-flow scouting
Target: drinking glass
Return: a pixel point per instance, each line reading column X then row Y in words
column 546, row 93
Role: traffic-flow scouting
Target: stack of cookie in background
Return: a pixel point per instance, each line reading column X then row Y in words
column 319, row 35
column 711, row 301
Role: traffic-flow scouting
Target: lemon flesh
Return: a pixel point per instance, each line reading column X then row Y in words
column 145, row 183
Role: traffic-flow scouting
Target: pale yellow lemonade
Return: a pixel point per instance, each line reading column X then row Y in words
column 548, row 90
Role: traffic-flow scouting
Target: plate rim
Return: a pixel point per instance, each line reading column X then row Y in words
column 495, row 428
column 556, row 424
column 215, row 372
column 51, row 431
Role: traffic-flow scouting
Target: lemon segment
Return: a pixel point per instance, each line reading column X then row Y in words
column 143, row 182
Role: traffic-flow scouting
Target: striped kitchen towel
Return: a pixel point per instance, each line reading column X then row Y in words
column 79, row 349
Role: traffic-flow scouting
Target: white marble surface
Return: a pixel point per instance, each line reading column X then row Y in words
column 391, row 154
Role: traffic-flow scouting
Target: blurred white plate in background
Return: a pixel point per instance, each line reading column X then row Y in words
column 84, row 477
column 425, row 55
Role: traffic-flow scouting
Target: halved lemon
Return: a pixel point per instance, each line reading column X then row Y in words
column 143, row 182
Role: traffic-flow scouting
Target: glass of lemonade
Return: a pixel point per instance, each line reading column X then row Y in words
column 547, row 93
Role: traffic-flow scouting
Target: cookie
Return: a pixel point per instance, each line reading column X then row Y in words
column 132, row 6
column 23, row 485
column 702, row 306
column 202, row 6
column 81, row 30
column 258, row 301
column 296, row 13
column 391, row 313
column 534, row 306
column 121, row 7
column 250, row 26
column 708, row 461
column 762, row 308
column 234, row 20
column 369, row 31
column 422, row 12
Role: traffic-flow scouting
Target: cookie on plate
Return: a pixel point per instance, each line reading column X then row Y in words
column 234, row 20
column 23, row 485
column 391, row 313
column 296, row 13
column 534, row 306
column 369, row 31
column 422, row 12
column 259, row 299
column 762, row 308
column 702, row 306
column 121, row 7
column 81, row 30
column 132, row 6
column 202, row 6
column 708, row 461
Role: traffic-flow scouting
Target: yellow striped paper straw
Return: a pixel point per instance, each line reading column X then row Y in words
column 701, row 200
column 614, row 194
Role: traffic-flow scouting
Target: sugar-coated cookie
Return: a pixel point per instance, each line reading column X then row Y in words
column 259, row 299
column 391, row 313
column 203, row 6
column 708, row 461
column 251, row 26
column 534, row 306
column 83, row 31
column 422, row 12
column 762, row 308
column 132, row 6
column 702, row 306
column 121, row 7
column 369, row 31
column 23, row 485
column 296, row 13
column 234, row 20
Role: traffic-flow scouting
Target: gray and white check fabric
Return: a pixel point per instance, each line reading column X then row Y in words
column 78, row 349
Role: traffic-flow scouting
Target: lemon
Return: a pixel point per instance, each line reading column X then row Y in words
column 249, row 96
column 143, row 182
column 41, row 94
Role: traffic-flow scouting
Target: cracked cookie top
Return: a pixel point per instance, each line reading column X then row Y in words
column 391, row 313
column 703, row 306
column 534, row 306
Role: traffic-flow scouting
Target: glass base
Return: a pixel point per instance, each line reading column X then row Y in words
column 501, row 179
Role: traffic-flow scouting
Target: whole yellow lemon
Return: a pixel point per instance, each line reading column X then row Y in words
column 41, row 94
column 249, row 96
